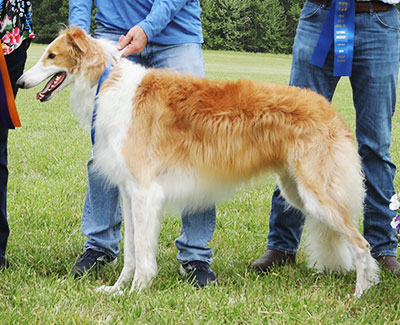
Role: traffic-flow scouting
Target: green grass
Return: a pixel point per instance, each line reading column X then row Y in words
column 47, row 162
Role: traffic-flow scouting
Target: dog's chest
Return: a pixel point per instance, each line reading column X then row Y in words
column 113, row 120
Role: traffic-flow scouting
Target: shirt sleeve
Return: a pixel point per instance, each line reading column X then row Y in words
column 161, row 14
column 80, row 12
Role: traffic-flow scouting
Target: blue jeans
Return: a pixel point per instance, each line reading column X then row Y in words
column 101, row 219
column 374, row 83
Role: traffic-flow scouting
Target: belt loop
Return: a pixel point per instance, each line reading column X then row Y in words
column 371, row 7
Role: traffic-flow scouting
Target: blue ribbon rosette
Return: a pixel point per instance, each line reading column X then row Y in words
column 338, row 29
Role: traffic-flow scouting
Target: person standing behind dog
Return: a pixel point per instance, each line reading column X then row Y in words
column 15, row 34
column 373, row 76
column 159, row 34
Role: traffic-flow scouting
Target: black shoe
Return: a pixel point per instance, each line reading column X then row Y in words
column 270, row 259
column 91, row 260
column 4, row 264
column 198, row 273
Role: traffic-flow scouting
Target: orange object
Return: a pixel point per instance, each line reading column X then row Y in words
column 8, row 110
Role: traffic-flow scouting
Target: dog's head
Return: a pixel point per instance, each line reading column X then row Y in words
column 73, row 53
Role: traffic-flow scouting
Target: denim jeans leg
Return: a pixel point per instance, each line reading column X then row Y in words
column 374, row 82
column 198, row 226
column 286, row 224
column 197, row 230
column 101, row 218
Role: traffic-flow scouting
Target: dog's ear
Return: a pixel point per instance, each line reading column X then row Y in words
column 77, row 39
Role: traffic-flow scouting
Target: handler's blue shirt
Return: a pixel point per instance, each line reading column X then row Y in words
column 165, row 22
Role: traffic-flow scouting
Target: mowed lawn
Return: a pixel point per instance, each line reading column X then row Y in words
column 47, row 163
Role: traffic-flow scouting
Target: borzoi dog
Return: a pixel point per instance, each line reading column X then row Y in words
column 166, row 138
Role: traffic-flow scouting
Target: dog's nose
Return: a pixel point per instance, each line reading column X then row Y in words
column 20, row 83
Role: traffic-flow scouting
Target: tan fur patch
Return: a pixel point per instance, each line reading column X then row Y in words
column 229, row 130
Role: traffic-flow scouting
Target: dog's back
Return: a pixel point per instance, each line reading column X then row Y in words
column 227, row 130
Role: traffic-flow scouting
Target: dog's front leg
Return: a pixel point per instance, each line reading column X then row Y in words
column 148, row 208
column 129, row 247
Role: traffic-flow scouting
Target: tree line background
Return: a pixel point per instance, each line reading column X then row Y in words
column 266, row 26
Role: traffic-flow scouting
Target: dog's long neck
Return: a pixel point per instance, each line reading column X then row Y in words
column 82, row 100
column 83, row 89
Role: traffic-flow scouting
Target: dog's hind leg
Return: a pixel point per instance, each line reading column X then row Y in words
column 332, row 197
column 326, row 248
column 148, row 205
column 366, row 266
column 331, row 225
column 341, row 247
column 129, row 247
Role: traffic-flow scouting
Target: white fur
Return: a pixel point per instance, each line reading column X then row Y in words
column 111, row 128
column 83, row 95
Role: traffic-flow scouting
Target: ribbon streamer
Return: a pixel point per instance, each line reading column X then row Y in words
column 338, row 29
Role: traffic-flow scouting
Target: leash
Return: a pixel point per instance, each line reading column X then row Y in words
column 103, row 77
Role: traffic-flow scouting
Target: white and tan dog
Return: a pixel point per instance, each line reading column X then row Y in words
column 166, row 138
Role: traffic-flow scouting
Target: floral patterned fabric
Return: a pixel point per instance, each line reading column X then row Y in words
column 16, row 23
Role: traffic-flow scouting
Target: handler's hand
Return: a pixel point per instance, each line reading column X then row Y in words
column 134, row 42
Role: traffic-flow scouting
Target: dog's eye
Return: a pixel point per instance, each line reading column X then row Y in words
column 51, row 56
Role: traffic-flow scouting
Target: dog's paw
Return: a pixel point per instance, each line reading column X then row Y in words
column 317, row 273
column 140, row 284
column 115, row 291
column 356, row 295
column 360, row 290
column 137, row 286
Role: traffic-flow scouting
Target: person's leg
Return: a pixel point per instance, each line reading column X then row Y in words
column 197, row 227
column 197, row 230
column 374, row 82
column 286, row 223
column 101, row 216
column 15, row 64
column 4, row 229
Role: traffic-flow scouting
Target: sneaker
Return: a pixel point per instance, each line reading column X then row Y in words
column 198, row 273
column 91, row 260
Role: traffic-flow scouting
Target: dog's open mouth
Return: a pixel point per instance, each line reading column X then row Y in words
column 52, row 85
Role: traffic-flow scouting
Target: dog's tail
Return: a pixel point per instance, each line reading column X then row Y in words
column 327, row 250
column 331, row 187
column 333, row 194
